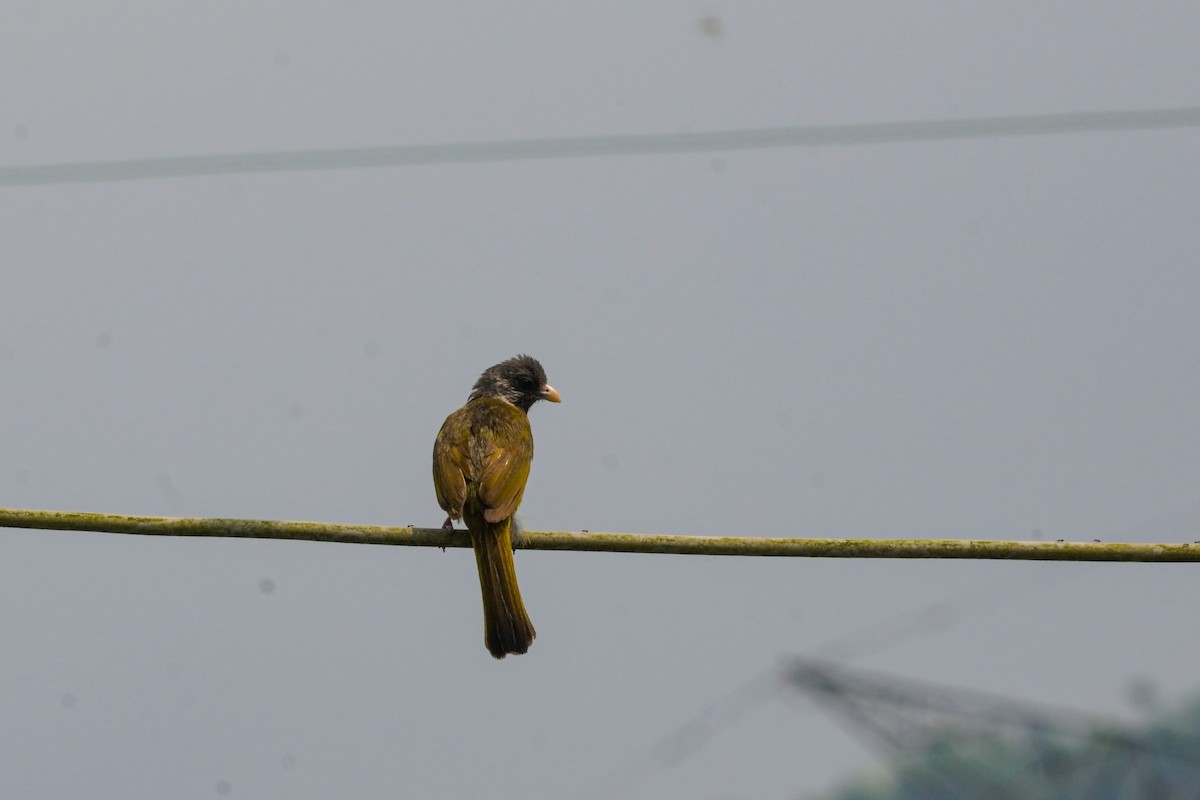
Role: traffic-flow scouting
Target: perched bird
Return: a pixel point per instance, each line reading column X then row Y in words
column 481, row 461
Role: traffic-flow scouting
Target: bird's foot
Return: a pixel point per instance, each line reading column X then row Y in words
column 448, row 527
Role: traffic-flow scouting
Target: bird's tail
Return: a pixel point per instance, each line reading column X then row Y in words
column 506, row 626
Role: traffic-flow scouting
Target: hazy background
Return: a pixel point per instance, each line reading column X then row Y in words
column 994, row 338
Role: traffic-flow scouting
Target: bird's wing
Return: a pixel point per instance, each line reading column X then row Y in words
column 451, row 465
column 505, row 470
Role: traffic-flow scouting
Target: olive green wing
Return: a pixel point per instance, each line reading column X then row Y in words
column 452, row 464
column 506, row 462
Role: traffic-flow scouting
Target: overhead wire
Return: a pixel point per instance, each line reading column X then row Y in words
column 867, row 133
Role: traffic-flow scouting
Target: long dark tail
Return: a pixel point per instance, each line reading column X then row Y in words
column 506, row 626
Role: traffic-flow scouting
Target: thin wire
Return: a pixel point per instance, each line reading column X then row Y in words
column 718, row 716
column 971, row 549
column 689, row 738
column 936, row 617
column 590, row 146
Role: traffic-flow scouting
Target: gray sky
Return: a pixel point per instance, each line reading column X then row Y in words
column 992, row 338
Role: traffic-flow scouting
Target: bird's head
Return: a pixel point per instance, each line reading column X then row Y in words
column 519, row 380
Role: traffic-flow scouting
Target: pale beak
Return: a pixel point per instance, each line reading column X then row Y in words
column 551, row 394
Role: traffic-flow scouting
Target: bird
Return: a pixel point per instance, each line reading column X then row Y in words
column 481, row 461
